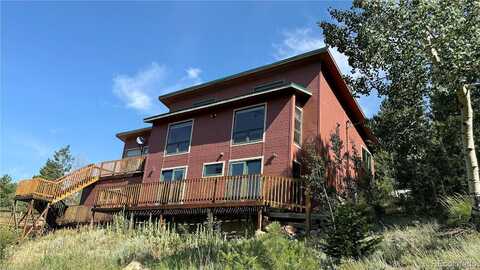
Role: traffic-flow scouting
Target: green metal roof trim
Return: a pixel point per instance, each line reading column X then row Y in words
column 288, row 85
column 245, row 73
column 124, row 134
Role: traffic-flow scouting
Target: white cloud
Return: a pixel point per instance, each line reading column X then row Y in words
column 140, row 90
column 137, row 91
column 193, row 73
column 301, row 40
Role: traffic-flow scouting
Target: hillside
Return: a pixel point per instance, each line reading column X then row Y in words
column 424, row 246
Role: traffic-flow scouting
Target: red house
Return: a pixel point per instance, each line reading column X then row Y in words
column 225, row 146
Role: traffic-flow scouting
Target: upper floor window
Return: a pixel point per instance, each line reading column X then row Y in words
column 213, row 169
column 134, row 152
column 253, row 166
column 179, row 137
column 173, row 174
column 367, row 159
column 297, row 133
column 248, row 125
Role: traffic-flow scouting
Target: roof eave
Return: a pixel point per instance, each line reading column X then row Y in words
column 296, row 87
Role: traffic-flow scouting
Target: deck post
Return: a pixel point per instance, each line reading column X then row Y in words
column 14, row 213
column 260, row 219
column 130, row 224
column 92, row 220
column 210, row 219
column 308, row 213
column 161, row 220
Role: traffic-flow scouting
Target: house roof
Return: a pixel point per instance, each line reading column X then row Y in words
column 329, row 65
column 166, row 99
column 133, row 133
column 265, row 90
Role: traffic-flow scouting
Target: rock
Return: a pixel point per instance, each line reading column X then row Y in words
column 134, row 265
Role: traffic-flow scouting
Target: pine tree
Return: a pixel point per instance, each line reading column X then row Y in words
column 58, row 166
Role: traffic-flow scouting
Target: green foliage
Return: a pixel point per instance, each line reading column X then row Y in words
column 8, row 236
column 376, row 190
column 160, row 247
column 422, row 247
column 349, row 235
column 458, row 208
column 418, row 123
column 60, row 164
column 7, row 190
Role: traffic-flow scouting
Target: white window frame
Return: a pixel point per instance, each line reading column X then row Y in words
column 212, row 163
column 371, row 158
column 174, row 168
column 264, row 123
column 168, row 131
column 301, row 126
column 246, row 159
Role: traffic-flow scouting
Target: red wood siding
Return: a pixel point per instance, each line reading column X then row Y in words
column 211, row 137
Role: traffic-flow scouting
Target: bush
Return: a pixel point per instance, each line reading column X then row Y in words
column 8, row 236
column 349, row 233
column 458, row 209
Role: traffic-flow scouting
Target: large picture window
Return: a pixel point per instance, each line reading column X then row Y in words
column 297, row 134
column 248, row 125
column 178, row 139
column 173, row 174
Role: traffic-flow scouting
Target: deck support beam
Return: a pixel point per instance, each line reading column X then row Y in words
column 260, row 219
column 130, row 224
column 308, row 213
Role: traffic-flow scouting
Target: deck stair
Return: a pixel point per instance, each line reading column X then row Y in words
column 46, row 196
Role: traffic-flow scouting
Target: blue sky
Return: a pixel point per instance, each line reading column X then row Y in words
column 78, row 72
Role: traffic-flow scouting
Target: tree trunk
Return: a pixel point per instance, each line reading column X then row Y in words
column 471, row 162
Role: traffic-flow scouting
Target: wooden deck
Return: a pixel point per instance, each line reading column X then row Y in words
column 59, row 189
column 226, row 192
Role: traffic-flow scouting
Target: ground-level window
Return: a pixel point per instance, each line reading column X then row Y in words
column 297, row 134
column 173, row 174
column 253, row 166
column 134, row 152
column 213, row 169
column 179, row 137
column 367, row 160
column 248, row 125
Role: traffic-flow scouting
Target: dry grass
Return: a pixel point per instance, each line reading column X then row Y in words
column 423, row 246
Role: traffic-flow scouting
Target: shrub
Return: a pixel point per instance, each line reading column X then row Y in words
column 458, row 209
column 8, row 236
column 349, row 233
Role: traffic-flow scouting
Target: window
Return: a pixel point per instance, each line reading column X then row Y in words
column 248, row 125
column 243, row 167
column 134, row 152
column 213, row 169
column 145, row 150
column 367, row 160
column 178, row 139
column 173, row 174
column 297, row 134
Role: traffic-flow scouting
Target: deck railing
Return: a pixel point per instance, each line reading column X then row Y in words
column 60, row 188
column 275, row 191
